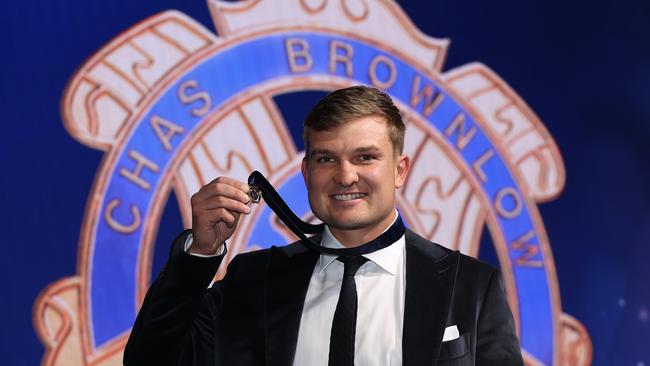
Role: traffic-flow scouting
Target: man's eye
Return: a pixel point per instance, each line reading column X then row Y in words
column 324, row 159
column 366, row 157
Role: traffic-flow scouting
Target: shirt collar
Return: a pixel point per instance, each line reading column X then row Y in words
column 386, row 258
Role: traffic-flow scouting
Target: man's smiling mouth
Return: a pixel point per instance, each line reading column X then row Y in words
column 348, row 197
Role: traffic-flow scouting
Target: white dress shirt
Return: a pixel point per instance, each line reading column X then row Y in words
column 380, row 286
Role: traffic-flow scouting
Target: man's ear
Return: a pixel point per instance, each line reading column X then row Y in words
column 402, row 167
column 303, row 169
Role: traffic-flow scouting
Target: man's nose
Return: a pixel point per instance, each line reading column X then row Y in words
column 346, row 174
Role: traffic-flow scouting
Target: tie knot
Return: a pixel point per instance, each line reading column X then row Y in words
column 351, row 264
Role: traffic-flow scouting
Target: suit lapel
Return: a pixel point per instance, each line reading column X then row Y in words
column 430, row 280
column 288, row 277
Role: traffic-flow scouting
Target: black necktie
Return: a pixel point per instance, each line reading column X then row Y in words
column 345, row 316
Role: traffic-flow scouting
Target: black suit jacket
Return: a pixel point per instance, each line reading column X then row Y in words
column 252, row 316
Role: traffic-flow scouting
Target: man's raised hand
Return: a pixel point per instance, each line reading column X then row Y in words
column 216, row 209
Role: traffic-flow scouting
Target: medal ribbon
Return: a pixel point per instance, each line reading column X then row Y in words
column 261, row 188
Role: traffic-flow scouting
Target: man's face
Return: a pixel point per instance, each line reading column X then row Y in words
column 351, row 176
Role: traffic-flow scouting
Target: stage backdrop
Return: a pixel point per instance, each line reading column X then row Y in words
column 527, row 125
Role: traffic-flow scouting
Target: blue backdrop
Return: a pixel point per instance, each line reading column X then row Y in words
column 583, row 67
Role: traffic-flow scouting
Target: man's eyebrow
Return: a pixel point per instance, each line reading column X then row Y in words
column 321, row 152
column 371, row 148
column 361, row 149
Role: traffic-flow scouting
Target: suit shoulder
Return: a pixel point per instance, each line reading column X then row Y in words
column 437, row 251
column 480, row 265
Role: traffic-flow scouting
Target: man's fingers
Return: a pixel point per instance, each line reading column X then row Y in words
column 230, row 182
column 217, row 202
column 221, row 189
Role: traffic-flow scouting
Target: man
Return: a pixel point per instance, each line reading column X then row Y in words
column 409, row 302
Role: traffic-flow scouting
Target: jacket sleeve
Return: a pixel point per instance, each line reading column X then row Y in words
column 496, row 342
column 175, row 324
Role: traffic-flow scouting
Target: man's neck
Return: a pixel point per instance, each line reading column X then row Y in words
column 354, row 238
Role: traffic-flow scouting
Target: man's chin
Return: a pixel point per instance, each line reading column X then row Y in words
column 350, row 225
column 347, row 226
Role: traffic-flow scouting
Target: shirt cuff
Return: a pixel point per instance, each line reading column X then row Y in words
column 190, row 239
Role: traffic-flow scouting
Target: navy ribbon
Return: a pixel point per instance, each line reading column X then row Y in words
column 257, row 181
